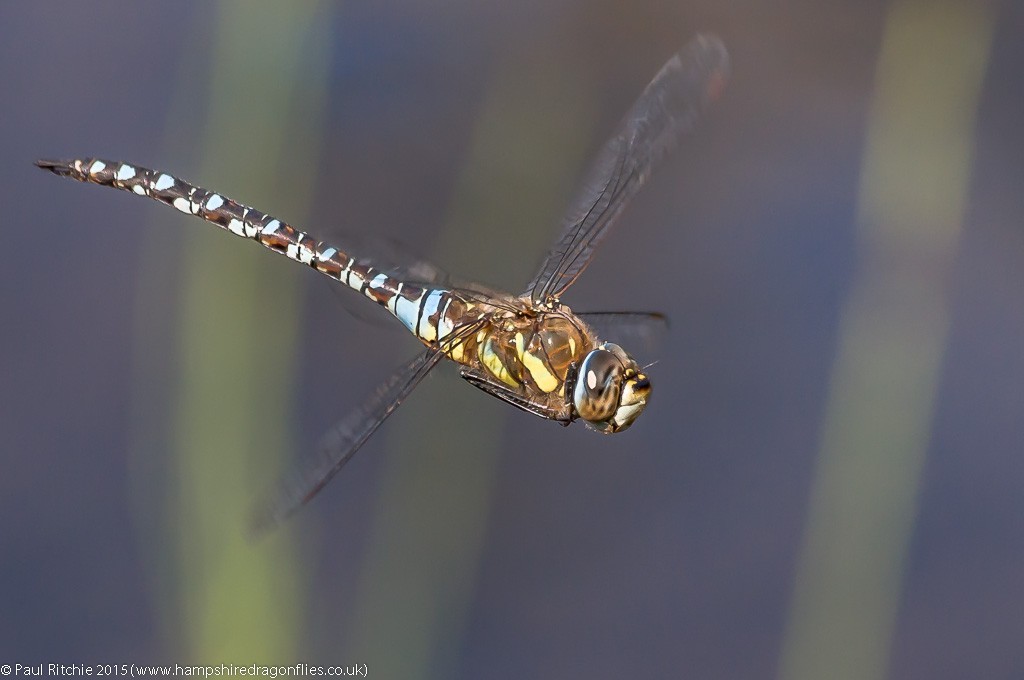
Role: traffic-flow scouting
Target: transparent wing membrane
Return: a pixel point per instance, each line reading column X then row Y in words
column 339, row 445
column 667, row 110
column 629, row 329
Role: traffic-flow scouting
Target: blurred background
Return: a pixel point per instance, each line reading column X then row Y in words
column 827, row 482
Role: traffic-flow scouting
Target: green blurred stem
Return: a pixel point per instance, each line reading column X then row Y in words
column 892, row 338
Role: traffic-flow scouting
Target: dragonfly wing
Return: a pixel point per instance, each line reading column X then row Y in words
column 667, row 109
column 389, row 256
column 643, row 329
column 339, row 445
column 393, row 257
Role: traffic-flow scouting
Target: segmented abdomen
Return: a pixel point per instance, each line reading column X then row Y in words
column 430, row 313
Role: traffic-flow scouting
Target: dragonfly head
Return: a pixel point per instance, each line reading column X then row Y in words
column 610, row 390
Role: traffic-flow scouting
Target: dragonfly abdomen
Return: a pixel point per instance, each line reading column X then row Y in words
column 424, row 311
column 525, row 351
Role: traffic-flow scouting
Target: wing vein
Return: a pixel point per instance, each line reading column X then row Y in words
column 666, row 110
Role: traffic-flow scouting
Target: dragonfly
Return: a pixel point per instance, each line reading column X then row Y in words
column 529, row 350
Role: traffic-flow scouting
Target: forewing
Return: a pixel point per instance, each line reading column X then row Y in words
column 666, row 110
column 339, row 445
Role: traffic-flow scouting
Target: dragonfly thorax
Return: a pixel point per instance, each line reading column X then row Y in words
column 547, row 359
column 533, row 352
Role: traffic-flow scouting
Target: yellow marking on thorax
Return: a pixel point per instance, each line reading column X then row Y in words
column 494, row 364
column 541, row 375
column 545, row 379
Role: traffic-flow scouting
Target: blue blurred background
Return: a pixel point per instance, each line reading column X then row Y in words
column 827, row 482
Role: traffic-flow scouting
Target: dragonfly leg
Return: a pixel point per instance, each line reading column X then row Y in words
column 508, row 395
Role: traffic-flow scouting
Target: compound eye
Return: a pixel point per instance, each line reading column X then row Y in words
column 598, row 386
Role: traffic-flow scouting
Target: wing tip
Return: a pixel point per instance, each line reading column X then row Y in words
column 710, row 55
column 708, row 42
column 264, row 516
column 663, row 318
